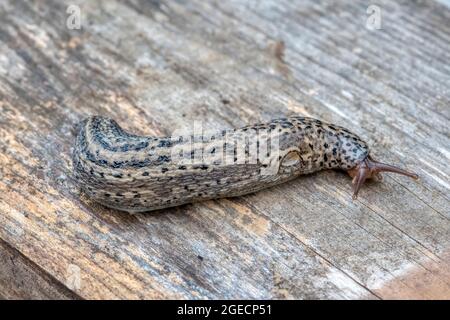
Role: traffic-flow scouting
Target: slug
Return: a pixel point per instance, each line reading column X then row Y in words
column 138, row 173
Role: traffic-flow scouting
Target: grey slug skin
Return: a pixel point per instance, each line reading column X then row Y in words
column 135, row 173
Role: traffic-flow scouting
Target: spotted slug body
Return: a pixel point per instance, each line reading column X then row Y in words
column 135, row 173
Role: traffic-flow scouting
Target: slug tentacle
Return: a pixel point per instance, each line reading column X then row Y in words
column 370, row 168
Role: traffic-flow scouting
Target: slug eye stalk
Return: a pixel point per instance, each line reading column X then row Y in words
column 369, row 168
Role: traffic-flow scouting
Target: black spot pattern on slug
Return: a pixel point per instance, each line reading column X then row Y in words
column 163, row 158
column 136, row 173
column 164, row 143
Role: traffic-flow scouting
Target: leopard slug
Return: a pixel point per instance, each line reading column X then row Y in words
column 138, row 173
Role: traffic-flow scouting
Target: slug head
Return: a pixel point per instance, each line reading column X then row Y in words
column 353, row 157
column 369, row 168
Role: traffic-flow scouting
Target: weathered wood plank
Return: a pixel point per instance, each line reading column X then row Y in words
column 159, row 66
column 22, row 279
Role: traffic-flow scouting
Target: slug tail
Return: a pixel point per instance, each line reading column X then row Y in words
column 370, row 168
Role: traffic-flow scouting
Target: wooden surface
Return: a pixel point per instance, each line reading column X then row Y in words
column 158, row 66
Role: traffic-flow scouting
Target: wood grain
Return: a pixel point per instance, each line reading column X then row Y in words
column 20, row 278
column 157, row 66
